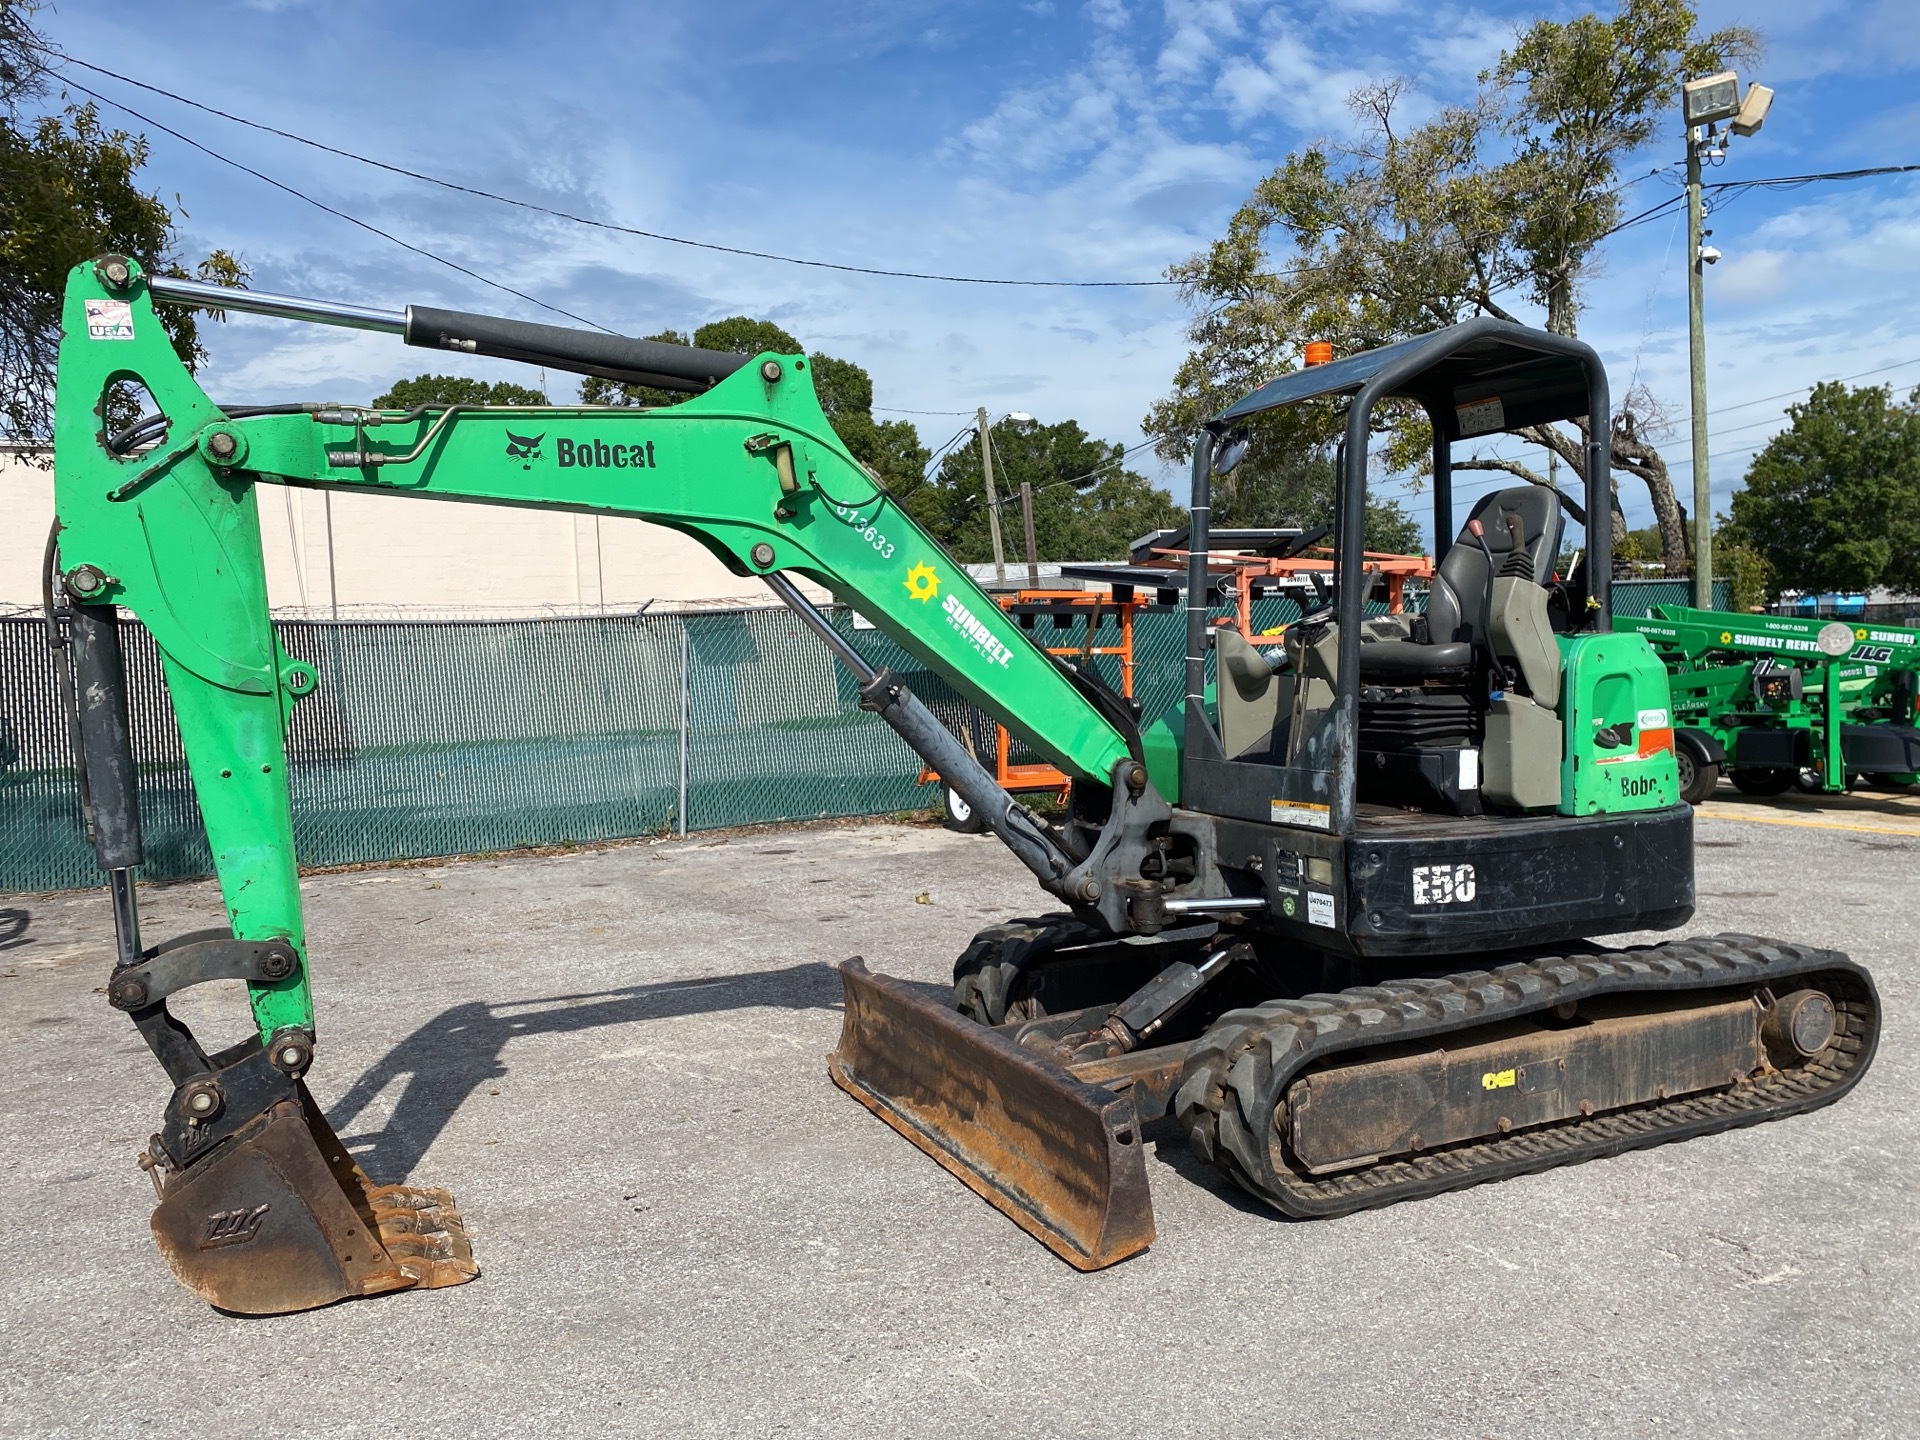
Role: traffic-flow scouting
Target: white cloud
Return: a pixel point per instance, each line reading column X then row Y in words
column 1196, row 28
column 1289, row 80
column 1457, row 48
column 1753, row 275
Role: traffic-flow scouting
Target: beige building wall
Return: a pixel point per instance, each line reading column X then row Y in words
column 371, row 553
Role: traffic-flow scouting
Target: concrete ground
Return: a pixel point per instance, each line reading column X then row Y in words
column 614, row 1060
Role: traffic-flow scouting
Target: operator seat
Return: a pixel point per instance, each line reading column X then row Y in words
column 1457, row 599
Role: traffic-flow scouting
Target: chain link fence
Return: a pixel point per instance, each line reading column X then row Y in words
column 454, row 737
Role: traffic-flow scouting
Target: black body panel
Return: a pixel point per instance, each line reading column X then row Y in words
column 1414, row 886
column 1881, row 749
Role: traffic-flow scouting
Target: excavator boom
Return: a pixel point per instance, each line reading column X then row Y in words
column 260, row 1208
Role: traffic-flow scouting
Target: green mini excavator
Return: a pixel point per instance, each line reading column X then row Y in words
column 1334, row 914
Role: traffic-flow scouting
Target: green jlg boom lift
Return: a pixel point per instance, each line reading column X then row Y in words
column 1332, row 916
column 1774, row 700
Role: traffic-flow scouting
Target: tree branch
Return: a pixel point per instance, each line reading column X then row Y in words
column 1510, row 467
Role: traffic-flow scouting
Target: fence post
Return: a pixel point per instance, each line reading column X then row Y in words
column 683, row 726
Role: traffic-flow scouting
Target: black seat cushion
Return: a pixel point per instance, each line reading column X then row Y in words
column 1408, row 660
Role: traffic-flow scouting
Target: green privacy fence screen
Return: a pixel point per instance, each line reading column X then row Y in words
column 450, row 737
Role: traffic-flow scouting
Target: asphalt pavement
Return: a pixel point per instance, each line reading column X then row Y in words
column 614, row 1059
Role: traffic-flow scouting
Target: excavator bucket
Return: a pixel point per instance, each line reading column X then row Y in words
column 283, row 1219
column 1059, row 1157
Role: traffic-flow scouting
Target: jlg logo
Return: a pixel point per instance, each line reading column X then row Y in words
column 1443, row 884
column 232, row 1227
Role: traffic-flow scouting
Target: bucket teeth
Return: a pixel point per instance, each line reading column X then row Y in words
column 423, row 1232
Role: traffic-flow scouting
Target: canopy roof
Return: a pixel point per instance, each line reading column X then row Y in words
column 1474, row 378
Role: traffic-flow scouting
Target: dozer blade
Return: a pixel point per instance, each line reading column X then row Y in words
column 1059, row 1157
column 280, row 1218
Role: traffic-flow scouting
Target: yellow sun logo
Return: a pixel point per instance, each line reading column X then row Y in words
column 1859, row 634
column 1725, row 636
column 922, row 583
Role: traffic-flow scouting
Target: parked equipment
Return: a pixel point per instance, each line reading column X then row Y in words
column 1334, row 918
column 1776, row 700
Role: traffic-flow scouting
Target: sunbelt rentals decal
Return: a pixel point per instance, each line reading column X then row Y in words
column 923, row 584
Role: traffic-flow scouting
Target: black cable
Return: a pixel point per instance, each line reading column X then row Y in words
column 624, row 229
column 579, row 219
column 321, row 205
column 1793, row 182
column 1735, row 186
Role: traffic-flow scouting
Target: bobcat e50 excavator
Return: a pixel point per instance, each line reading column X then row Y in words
column 1335, row 916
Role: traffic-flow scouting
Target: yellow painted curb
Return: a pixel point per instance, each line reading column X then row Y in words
column 1911, row 831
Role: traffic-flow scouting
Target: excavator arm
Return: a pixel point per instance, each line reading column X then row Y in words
column 260, row 1208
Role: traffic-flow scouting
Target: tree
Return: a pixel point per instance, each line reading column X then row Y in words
column 1833, row 501
column 455, row 390
column 891, row 449
column 1749, row 578
column 1411, row 228
column 1295, row 486
column 1086, row 504
column 1638, row 547
column 69, row 190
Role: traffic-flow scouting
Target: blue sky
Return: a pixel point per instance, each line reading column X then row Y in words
column 1048, row 140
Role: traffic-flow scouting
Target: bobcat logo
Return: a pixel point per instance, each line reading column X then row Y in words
column 232, row 1227
column 525, row 448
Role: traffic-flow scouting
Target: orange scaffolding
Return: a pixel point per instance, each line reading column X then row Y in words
column 1242, row 575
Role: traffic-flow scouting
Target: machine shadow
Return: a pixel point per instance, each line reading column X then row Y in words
column 460, row 1049
column 14, row 923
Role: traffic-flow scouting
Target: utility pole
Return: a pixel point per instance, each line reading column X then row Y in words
column 1697, row 363
column 993, row 501
column 1706, row 103
column 1033, row 550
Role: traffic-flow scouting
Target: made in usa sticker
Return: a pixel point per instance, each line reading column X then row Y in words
column 109, row 320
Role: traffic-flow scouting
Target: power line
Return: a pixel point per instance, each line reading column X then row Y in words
column 953, row 440
column 897, row 410
column 1837, row 380
column 340, row 214
column 1687, row 464
column 571, row 218
column 1736, row 429
column 1794, row 182
column 1733, row 189
column 579, row 219
column 1093, row 474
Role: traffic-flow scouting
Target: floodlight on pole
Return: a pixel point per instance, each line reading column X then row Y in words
column 1706, row 103
column 1753, row 111
column 1711, row 98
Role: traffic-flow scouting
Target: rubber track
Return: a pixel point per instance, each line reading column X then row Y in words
column 1240, row 1070
column 986, row 972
